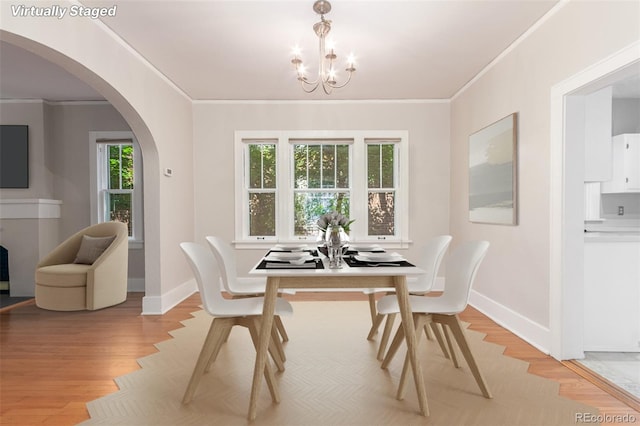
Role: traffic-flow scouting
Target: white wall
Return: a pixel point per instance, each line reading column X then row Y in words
column 513, row 282
column 215, row 124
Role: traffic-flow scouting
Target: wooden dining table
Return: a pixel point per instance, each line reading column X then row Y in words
column 322, row 277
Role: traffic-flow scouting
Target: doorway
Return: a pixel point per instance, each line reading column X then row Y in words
column 567, row 260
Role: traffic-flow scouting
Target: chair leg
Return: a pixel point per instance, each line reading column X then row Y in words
column 213, row 340
column 224, row 334
column 452, row 351
column 436, row 331
column 438, row 335
column 458, row 333
column 395, row 345
column 376, row 324
column 253, row 326
column 376, row 318
column 372, row 308
column 388, row 326
column 428, row 332
column 283, row 333
column 420, row 322
column 277, row 347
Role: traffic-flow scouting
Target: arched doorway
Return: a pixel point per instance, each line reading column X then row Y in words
column 137, row 125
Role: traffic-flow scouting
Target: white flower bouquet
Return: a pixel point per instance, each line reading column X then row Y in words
column 334, row 220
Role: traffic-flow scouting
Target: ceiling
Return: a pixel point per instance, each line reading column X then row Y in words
column 241, row 50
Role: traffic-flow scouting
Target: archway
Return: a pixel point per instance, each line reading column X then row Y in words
column 139, row 128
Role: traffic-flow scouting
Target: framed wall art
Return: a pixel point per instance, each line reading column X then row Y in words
column 493, row 173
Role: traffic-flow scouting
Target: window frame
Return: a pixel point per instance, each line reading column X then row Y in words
column 99, row 180
column 292, row 142
column 358, row 141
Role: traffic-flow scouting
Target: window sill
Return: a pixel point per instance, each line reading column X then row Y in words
column 256, row 245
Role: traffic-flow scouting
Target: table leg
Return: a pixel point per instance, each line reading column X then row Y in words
column 412, row 347
column 271, row 293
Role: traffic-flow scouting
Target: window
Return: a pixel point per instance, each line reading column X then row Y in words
column 381, row 188
column 320, row 182
column 286, row 180
column 117, row 191
column 261, row 188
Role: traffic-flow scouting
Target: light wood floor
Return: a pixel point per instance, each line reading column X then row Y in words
column 52, row 363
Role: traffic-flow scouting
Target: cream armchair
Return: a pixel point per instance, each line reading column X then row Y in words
column 86, row 271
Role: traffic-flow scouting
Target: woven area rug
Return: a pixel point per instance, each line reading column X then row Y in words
column 332, row 377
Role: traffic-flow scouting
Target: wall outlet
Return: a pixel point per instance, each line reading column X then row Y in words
column 620, row 210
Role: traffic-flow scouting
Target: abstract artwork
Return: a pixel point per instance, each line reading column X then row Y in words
column 493, row 172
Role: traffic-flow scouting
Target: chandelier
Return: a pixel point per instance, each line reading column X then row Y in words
column 327, row 78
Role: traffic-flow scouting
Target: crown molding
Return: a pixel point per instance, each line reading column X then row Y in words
column 319, row 102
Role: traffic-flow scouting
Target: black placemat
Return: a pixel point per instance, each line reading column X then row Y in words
column 351, row 261
column 351, row 251
column 286, row 265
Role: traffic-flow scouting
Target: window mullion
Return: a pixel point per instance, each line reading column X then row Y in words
column 261, row 166
column 380, row 166
column 321, row 166
column 307, row 163
column 120, row 166
column 285, row 181
column 335, row 166
column 358, row 188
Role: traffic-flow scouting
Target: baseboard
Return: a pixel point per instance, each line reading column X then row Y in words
column 530, row 331
column 135, row 285
column 158, row 305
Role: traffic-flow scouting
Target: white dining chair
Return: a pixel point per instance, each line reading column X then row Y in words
column 462, row 267
column 429, row 257
column 246, row 312
column 239, row 287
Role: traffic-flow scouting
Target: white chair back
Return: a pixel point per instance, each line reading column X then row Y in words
column 462, row 266
column 430, row 256
column 207, row 273
column 227, row 260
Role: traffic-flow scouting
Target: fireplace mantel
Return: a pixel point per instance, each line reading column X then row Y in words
column 29, row 208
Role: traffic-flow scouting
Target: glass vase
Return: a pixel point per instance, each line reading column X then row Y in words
column 335, row 239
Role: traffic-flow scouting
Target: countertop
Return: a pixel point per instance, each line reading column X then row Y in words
column 611, row 237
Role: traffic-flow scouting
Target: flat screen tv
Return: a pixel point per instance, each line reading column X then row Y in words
column 14, row 156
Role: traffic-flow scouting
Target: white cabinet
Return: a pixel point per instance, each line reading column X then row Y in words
column 626, row 164
column 598, row 118
column 611, row 296
column 592, row 202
